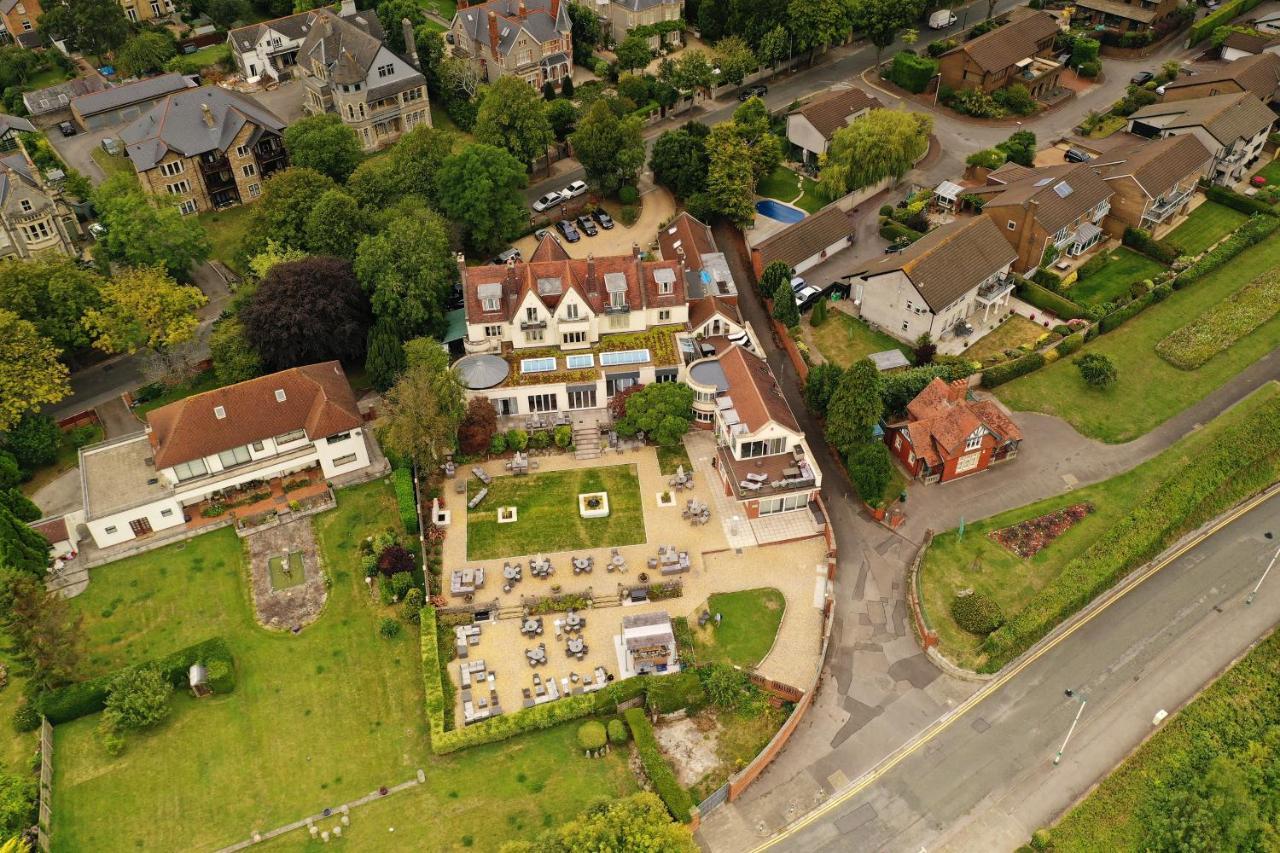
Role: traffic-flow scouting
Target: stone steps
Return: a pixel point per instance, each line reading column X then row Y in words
column 586, row 443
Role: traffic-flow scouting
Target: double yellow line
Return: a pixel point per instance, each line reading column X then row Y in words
column 943, row 723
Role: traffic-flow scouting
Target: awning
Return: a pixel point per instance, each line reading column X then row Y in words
column 1087, row 232
column 455, row 325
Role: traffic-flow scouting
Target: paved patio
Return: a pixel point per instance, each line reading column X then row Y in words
column 294, row 606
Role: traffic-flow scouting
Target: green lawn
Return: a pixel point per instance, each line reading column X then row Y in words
column 976, row 562
column 1206, row 225
column 49, row 77
column 784, row 185
column 749, row 621
column 228, row 229
column 669, row 458
column 112, row 164
column 198, row 384
column 1271, row 172
column 280, row 579
column 1011, row 334
column 548, row 518
column 1123, row 268
column 444, row 8
column 1149, row 390
column 1107, row 126
column 211, row 55
column 843, row 340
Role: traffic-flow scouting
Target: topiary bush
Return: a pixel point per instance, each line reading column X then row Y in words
column 617, row 732
column 389, row 628
column 591, row 735
column 628, row 195
column 976, row 613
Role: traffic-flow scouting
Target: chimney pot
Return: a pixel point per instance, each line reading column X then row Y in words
column 522, row 10
column 208, row 114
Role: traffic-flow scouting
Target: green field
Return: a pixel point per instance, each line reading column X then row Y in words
column 1123, row 268
column 843, row 340
column 749, row 622
column 1149, row 390
column 547, row 513
column 228, row 230
column 1206, row 225
column 976, row 562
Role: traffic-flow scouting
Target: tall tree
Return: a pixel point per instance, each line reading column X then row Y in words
column 52, row 293
column 324, row 143
column 384, row 360
column 815, row 24
column 335, row 225
column 776, row 273
column 281, row 214
column 855, row 407
column 408, row 270
column 610, row 149
column 390, row 15
column 785, row 310
column 20, row 505
column 562, row 115
column 587, row 33
column 478, row 426
column 480, row 190
column 145, row 53
column 820, row 385
column 882, row 20
column 94, row 26
column 662, row 411
column 692, row 72
column 633, row 52
column 884, row 143
column 307, row 311
column 638, row 822
column 424, row 409
column 234, row 358
column 143, row 307
column 44, row 631
column 730, row 182
column 34, row 441
column 31, row 376
column 753, row 123
column 418, row 156
column 735, row 59
column 511, row 116
column 143, row 232
column 774, row 47
column 679, row 162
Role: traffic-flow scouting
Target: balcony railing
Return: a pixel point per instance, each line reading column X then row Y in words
column 618, row 309
column 992, row 292
column 532, row 324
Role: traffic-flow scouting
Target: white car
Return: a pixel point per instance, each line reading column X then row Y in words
column 549, row 200
column 574, row 189
column 806, row 294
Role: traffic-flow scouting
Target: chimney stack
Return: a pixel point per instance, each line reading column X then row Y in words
column 591, row 272
column 493, row 32
column 462, row 270
column 410, row 43
column 523, row 12
column 347, row 9
column 208, row 115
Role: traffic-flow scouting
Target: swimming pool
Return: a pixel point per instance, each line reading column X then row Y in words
column 777, row 210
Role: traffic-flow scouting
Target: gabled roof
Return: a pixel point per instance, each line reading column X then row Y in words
column 17, row 183
column 58, row 97
column 15, row 123
column 140, row 92
column 317, row 398
column 1003, row 46
column 1120, row 9
column 755, row 392
column 949, row 261
column 1250, row 42
column 549, row 249
column 194, row 122
column 543, row 20
column 1157, row 165
column 689, row 234
column 1009, row 172
column 702, row 310
column 347, row 49
column 1059, row 194
column 1259, row 74
column 807, row 237
column 831, row 112
column 941, row 418
column 1227, row 118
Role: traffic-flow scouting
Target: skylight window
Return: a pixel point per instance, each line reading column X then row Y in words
column 579, row 362
column 1043, row 181
column 626, row 356
column 1063, row 189
column 537, row 365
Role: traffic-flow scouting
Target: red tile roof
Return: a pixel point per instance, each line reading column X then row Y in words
column 687, row 233
column 940, row 419
column 54, row 530
column 317, row 398
column 702, row 310
column 755, row 392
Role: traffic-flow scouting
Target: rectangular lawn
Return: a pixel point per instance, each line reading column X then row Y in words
column 1149, row 390
column 1124, row 267
column 547, row 513
column 843, row 340
column 1206, row 225
column 1011, row 334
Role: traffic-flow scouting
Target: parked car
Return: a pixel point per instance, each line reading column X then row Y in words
column 1075, row 155
column 604, row 220
column 111, row 146
column 570, row 233
column 1142, row 78
column 942, row 19
column 574, row 190
column 753, row 92
column 896, row 246
column 506, row 255
column 587, row 225
column 97, row 230
column 545, row 232
column 67, row 128
column 806, row 295
column 549, row 200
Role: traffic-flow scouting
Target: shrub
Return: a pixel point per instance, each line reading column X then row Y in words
column 498, row 444
column 937, row 48
column 1234, row 200
column 870, row 470
column 1224, row 15
column 221, row 676
column 1084, row 50
column 1094, row 265
column 628, row 195
column 1062, row 329
column 1097, row 370
column 591, row 735
column 1140, row 240
column 1010, row 370
column 1090, row 69
column 1041, row 840
column 1046, row 278
column 394, row 560
column 987, row 158
column 564, row 436
column 976, row 613
column 730, row 688
column 897, row 232
column 673, row 692
column 617, row 732
column 976, row 103
column 1045, row 300
column 912, row 72
column 26, row 718
column 401, row 583
column 389, row 628
column 1016, row 99
column 411, row 610
column 899, row 388
column 676, row 798
column 1069, row 344
column 138, row 698
column 517, row 439
column 540, row 439
column 818, row 315
column 402, row 480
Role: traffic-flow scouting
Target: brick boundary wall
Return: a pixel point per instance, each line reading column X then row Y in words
column 926, row 636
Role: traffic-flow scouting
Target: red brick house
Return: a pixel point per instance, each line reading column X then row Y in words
column 946, row 435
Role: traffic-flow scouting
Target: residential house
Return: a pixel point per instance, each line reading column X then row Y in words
column 1047, row 212
column 146, row 10
column 1020, row 51
column 20, row 18
column 952, row 284
column 52, row 105
column 620, row 17
column 945, row 435
column 810, row 127
column 122, row 104
column 270, row 49
column 1241, row 44
column 10, row 127
column 349, row 71
column 206, row 148
column 1234, row 127
column 1257, row 73
column 529, row 39
column 763, row 457
column 647, row 645
column 34, row 217
column 709, row 286
column 807, row 243
column 194, row 450
column 1153, row 181
column 1123, row 15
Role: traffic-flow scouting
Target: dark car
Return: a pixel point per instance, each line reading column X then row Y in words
column 512, row 254
column 1142, row 78
column 895, row 246
column 588, row 226
column 1075, row 155
column 67, row 128
column 603, row 219
column 570, row 233
column 753, row 92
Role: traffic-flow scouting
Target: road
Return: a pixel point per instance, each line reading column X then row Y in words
column 984, row 779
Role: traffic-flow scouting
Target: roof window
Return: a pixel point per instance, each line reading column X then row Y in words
column 220, row 413
column 280, row 397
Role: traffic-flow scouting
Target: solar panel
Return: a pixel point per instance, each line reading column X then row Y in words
column 626, row 356
column 537, row 365
column 578, row 362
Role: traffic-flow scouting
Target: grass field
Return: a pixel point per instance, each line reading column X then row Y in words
column 749, row 621
column 1123, row 268
column 1271, row 172
column 975, row 561
column 1206, row 225
column 784, row 185
column 1011, row 334
column 1149, row 390
column 548, row 518
column 228, row 230
column 670, row 458
column 843, row 340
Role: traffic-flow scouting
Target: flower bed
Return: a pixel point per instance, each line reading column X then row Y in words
column 1218, row 328
column 1030, row 537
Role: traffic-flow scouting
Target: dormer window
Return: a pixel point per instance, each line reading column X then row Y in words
column 618, row 299
column 975, row 440
column 490, row 304
column 26, row 205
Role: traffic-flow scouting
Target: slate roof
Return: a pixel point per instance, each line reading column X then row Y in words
column 755, row 392
column 1060, row 193
column 544, row 20
column 807, row 237
column 151, row 89
column 1259, row 74
column 318, row 399
column 830, row 112
column 1157, row 165
column 15, row 123
column 949, row 261
column 1119, row 9
column 1003, row 46
column 18, row 182
column 1226, row 117
column 290, row 26
column 180, row 124
column 59, row 96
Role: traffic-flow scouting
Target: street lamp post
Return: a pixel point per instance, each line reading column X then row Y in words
column 1249, row 599
column 1057, row 758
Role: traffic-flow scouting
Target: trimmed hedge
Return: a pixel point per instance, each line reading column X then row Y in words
column 1125, row 313
column 1069, row 344
column 894, row 231
column 1225, row 14
column 1010, row 370
column 676, row 798
column 89, row 697
column 976, row 613
column 1257, row 229
column 912, row 72
column 899, row 388
column 1047, row 300
column 672, row 692
column 1140, row 241
column 402, row 479
column 1243, row 461
column 1230, row 198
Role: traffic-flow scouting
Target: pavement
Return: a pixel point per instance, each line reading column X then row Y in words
column 117, row 418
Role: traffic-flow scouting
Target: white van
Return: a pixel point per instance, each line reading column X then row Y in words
column 942, row 19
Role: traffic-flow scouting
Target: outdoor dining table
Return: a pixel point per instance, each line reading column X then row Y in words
column 577, row 645
column 510, row 572
column 530, row 626
column 536, row 655
column 574, row 622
